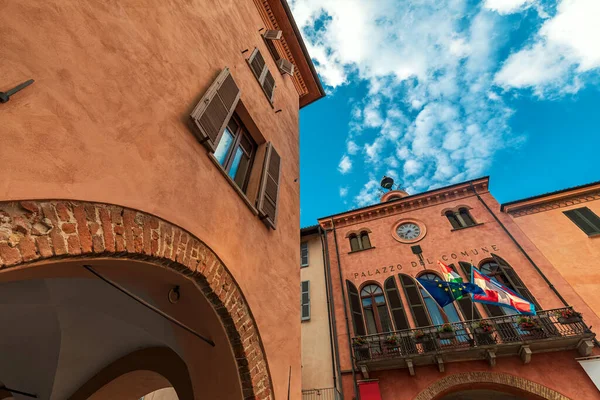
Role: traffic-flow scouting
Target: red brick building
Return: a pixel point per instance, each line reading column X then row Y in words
column 388, row 330
column 145, row 174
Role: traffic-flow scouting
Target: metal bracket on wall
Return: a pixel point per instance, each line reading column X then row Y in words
column 5, row 96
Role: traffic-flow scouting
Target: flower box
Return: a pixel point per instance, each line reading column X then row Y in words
column 482, row 331
column 446, row 335
column 569, row 320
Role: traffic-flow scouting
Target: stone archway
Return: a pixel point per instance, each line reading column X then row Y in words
column 456, row 381
column 33, row 231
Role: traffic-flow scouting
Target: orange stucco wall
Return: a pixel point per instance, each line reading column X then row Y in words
column 105, row 121
column 390, row 257
column 568, row 248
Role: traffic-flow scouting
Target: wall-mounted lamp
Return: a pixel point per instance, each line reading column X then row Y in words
column 174, row 295
column 419, row 252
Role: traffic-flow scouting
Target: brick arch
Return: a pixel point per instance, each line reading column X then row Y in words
column 458, row 381
column 32, row 231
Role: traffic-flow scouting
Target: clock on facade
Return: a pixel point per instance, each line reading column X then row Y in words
column 408, row 231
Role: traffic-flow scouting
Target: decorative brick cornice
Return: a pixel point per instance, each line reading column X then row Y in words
column 446, row 384
column 410, row 203
column 268, row 17
column 541, row 205
column 32, row 231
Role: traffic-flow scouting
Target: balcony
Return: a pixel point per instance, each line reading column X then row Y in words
column 321, row 394
column 484, row 339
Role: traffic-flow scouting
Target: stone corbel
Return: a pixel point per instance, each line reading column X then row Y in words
column 525, row 354
column 491, row 357
column 364, row 371
column 411, row 367
column 440, row 363
column 585, row 347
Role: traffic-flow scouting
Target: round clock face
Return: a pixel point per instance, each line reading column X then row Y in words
column 408, row 231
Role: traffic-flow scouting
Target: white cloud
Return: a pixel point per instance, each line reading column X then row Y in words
column 343, row 191
column 412, row 167
column 565, row 47
column 345, row 164
column 369, row 194
column 351, row 147
column 507, row 6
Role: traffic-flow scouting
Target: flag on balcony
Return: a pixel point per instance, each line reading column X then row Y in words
column 445, row 293
column 499, row 295
column 449, row 274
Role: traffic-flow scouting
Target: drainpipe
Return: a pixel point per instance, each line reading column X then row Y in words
column 550, row 285
column 335, row 354
column 337, row 252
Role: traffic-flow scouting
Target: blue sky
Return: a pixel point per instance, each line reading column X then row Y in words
column 434, row 92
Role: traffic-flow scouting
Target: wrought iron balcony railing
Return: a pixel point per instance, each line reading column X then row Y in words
column 503, row 335
column 321, row 394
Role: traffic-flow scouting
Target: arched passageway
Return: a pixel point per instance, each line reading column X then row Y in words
column 67, row 334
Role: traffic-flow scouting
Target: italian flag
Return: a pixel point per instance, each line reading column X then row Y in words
column 449, row 274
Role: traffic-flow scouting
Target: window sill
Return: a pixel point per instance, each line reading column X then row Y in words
column 466, row 227
column 303, row 266
column 358, row 251
column 233, row 184
column 305, row 320
column 594, row 235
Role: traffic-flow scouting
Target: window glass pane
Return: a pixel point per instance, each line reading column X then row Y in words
column 451, row 313
column 384, row 318
column 379, row 300
column 242, row 171
column 366, row 302
column 304, row 298
column 305, row 311
column 224, row 146
column 236, row 162
column 464, row 213
column 354, row 243
column 434, row 311
column 366, row 243
column 371, row 326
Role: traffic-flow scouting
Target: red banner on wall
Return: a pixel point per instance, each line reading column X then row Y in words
column 369, row 390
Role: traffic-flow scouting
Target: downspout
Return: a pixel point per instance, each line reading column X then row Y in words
column 333, row 344
column 337, row 252
column 550, row 285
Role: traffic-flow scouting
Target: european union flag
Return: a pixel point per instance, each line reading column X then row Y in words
column 445, row 293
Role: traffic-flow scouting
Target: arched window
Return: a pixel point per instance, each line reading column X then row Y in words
column 375, row 309
column 395, row 302
column 354, row 243
column 501, row 271
column 435, row 313
column 364, row 240
column 453, row 220
column 355, row 309
column 415, row 301
column 466, row 217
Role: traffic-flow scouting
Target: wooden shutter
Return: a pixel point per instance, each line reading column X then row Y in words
column 395, row 303
column 216, row 107
column 305, row 299
column 585, row 219
column 417, row 308
column 285, row 66
column 269, row 187
column 355, row 309
column 262, row 73
column 304, row 254
column 272, row 34
column 514, row 280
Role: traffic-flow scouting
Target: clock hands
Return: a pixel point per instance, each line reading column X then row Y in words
column 5, row 96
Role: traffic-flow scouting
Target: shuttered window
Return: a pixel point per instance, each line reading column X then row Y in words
column 210, row 116
column 466, row 305
column 585, row 219
column 304, row 254
column 305, row 307
column 417, row 308
column 285, row 66
column 269, row 188
column 395, row 303
column 262, row 74
column 355, row 309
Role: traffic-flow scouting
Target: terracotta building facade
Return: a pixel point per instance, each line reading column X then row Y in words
column 394, row 341
column 145, row 174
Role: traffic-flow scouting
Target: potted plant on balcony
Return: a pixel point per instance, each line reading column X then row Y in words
column 483, row 328
column 360, row 342
column 391, row 340
column 446, row 331
column 420, row 336
column 528, row 324
column 568, row 316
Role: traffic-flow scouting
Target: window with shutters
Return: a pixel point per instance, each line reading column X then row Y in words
column 375, row 309
column 585, row 219
column 285, row 66
column 304, row 254
column 355, row 309
column 218, row 123
column 467, row 307
column 263, row 75
column 415, row 301
column 235, row 152
column 305, row 299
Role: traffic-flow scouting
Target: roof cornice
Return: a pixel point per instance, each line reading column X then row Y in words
column 410, row 203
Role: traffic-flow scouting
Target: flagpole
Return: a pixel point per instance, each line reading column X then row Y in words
column 432, row 298
column 472, row 302
column 451, row 294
